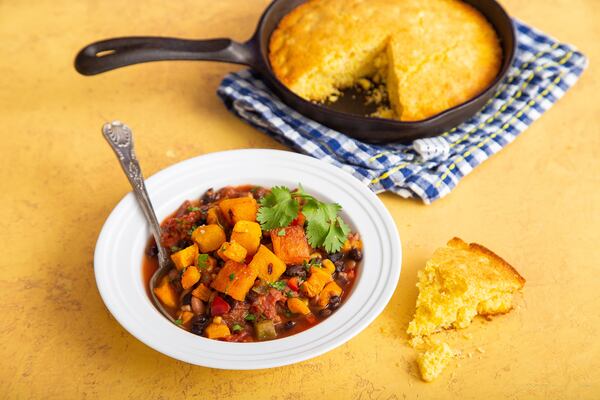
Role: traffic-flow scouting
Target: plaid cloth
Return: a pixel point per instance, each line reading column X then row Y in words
column 543, row 70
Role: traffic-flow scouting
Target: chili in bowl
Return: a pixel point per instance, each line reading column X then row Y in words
column 254, row 264
column 366, row 257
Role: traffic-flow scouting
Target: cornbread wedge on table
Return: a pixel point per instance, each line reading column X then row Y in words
column 432, row 54
column 460, row 281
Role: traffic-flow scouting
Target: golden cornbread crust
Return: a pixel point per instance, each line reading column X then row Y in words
column 433, row 54
column 460, row 281
column 500, row 263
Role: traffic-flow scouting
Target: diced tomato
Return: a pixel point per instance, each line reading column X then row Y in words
column 293, row 284
column 299, row 220
column 219, row 306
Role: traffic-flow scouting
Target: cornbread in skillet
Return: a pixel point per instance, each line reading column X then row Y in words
column 460, row 281
column 433, row 54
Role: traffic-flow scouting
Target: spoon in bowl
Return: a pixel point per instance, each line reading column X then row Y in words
column 120, row 139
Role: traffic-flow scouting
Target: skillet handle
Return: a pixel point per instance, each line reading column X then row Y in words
column 110, row 54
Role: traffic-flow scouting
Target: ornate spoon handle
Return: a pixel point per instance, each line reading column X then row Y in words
column 120, row 139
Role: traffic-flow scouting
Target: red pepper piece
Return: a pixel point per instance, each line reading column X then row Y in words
column 299, row 220
column 293, row 284
column 219, row 306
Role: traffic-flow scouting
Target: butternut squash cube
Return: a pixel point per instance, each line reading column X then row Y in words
column 165, row 293
column 217, row 331
column 331, row 289
column 248, row 234
column 353, row 242
column 202, row 292
column 185, row 316
column 186, row 257
column 190, row 277
column 232, row 251
column 316, row 282
column 297, row 306
column 291, row 247
column 235, row 279
column 209, row 237
column 328, row 266
column 214, row 216
column 239, row 209
column 268, row 265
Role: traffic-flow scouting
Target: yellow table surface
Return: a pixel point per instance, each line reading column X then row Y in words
column 537, row 203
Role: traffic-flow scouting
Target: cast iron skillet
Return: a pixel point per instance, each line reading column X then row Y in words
column 347, row 115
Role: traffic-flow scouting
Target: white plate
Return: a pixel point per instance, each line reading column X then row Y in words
column 120, row 247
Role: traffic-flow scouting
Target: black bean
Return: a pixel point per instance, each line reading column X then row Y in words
column 355, row 254
column 259, row 192
column 199, row 322
column 325, row 312
column 186, row 299
column 339, row 265
column 336, row 257
column 289, row 325
column 201, row 221
column 152, row 251
column 209, row 196
column 295, row 270
column 334, row 302
column 182, row 244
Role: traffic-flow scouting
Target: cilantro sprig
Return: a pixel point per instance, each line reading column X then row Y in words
column 325, row 228
column 277, row 209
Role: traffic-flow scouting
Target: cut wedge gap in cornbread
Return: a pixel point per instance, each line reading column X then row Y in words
column 342, row 70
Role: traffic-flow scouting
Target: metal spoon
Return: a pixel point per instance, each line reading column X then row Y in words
column 120, row 138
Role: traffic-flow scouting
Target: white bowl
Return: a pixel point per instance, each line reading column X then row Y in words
column 120, row 247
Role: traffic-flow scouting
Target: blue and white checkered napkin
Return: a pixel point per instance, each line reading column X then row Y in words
column 429, row 169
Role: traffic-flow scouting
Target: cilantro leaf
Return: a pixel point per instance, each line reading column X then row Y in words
column 277, row 209
column 250, row 317
column 178, row 321
column 324, row 228
column 331, row 210
column 338, row 231
column 317, row 229
column 302, row 194
column 281, row 232
column 311, row 208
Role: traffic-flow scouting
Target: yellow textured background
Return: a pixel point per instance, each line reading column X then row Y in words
column 537, row 203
